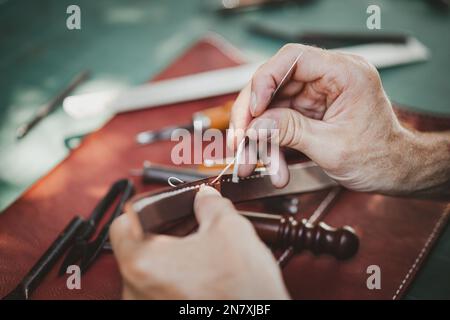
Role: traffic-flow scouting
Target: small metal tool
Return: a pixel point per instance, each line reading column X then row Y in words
column 318, row 214
column 147, row 137
column 46, row 109
column 216, row 117
column 328, row 39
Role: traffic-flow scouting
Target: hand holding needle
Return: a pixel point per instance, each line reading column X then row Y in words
column 241, row 145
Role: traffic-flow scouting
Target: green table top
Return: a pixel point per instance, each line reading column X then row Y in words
column 128, row 42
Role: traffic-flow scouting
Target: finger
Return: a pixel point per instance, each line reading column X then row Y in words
column 239, row 119
column 290, row 128
column 314, row 110
column 270, row 77
column 312, row 64
column 125, row 235
column 289, row 90
column 135, row 252
column 278, row 169
column 272, row 157
column 209, row 205
column 248, row 160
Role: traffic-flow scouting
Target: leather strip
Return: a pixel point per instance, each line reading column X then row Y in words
column 156, row 210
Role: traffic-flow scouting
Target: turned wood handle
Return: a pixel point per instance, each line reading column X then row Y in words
column 342, row 243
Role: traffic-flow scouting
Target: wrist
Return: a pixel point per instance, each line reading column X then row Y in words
column 425, row 163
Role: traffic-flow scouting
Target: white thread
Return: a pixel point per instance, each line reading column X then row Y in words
column 237, row 159
column 223, row 172
column 234, row 161
column 142, row 203
column 169, row 181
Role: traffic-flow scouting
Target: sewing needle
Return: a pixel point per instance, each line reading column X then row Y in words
column 285, row 77
column 241, row 145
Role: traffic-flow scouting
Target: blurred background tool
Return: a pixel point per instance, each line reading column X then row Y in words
column 219, row 82
column 328, row 39
column 73, row 141
column 156, row 173
column 232, row 6
column 147, row 137
column 215, row 117
column 440, row 4
column 45, row 263
column 51, row 105
column 163, row 92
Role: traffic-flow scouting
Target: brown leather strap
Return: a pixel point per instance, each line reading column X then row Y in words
column 156, row 210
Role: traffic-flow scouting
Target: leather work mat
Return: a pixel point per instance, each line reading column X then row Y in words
column 395, row 234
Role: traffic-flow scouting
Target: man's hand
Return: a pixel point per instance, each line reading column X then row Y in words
column 223, row 260
column 333, row 108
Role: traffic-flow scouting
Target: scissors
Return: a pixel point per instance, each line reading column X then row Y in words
column 84, row 251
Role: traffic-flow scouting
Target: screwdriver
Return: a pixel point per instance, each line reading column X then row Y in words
column 216, row 117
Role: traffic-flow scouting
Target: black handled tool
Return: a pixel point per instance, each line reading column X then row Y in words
column 154, row 173
column 83, row 251
column 147, row 137
column 329, row 39
column 46, row 262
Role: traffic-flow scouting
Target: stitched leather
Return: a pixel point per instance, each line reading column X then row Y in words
column 157, row 209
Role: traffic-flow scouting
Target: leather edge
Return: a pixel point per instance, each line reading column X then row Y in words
column 424, row 253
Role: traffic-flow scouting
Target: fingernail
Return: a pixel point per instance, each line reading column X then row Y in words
column 253, row 103
column 207, row 191
column 275, row 178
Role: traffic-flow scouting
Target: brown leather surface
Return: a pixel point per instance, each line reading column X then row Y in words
column 395, row 233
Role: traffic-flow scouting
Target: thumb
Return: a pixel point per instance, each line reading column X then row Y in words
column 289, row 128
column 210, row 205
column 125, row 235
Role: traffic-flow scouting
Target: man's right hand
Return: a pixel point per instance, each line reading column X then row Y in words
column 333, row 108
